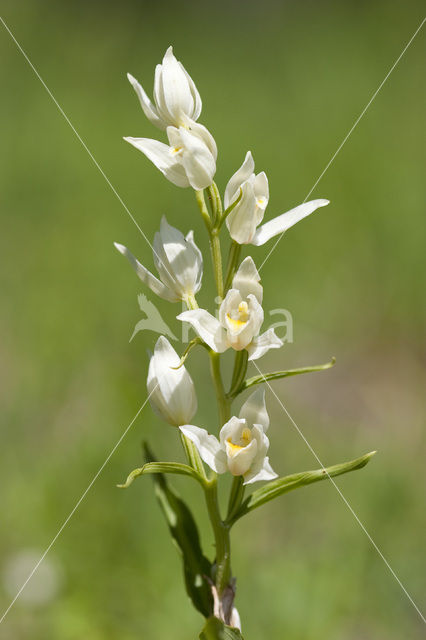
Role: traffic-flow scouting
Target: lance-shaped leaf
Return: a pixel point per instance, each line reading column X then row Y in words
column 215, row 629
column 162, row 467
column 279, row 486
column 183, row 529
column 276, row 375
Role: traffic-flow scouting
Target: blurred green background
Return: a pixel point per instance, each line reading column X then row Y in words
column 286, row 80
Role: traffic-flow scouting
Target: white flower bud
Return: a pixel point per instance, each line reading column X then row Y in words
column 178, row 260
column 171, row 391
column 175, row 94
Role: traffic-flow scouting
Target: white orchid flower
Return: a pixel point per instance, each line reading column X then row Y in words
column 171, row 391
column 175, row 94
column 243, row 221
column 178, row 260
column 242, row 445
column 240, row 317
column 188, row 160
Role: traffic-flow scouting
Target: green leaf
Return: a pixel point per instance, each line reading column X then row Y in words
column 215, row 629
column 276, row 375
column 288, row 483
column 183, row 529
column 162, row 467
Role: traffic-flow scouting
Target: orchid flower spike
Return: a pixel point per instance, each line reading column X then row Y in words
column 242, row 445
column 240, row 317
column 171, row 391
column 175, row 94
column 244, row 219
column 189, row 160
column 178, row 260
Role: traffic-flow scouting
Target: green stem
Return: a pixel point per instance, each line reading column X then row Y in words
column 213, row 238
column 199, row 195
column 221, row 536
column 239, row 373
column 224, row 404
column 217, row 261
column 235, row 498
column 233, row 260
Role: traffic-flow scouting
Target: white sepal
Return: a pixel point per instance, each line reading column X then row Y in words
column 149, row 109
column 240, row 176
column 247, row 280
column 281, row 223
column 208, row 447
column 171, row 391
column 158, row 287
column 254, row 410
column 261, row 344
column 163, row 157
column 207, row 327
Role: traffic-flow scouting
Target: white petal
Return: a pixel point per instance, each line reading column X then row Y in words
column 207, row 327
column 208, row 447
column 148, row 107
column 285, row 221
column 197, row 160
column 178, row 99
column 232, row 429
column 164, row 159
column 239, row 462
column 262, row 344
column 254, row 410
column 265, row 473
column 171, row 391
column 147, row 277
column 247, row 280
column 240, row 176
column 261, row 187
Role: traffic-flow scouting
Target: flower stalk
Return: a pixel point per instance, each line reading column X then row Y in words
column 241, row 446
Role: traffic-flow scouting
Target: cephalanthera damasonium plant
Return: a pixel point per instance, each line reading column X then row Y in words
column 238, row 445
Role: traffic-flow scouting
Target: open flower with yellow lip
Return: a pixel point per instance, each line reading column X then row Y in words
column 190, row 157
column 240, row 317
column 244, row 219
column 242, row 445
column 175, row 94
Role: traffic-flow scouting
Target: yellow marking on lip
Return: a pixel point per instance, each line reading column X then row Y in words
column 243, row 315
column 246, row 438
column 235, row 323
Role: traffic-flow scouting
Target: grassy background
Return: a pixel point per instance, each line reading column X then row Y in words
column 286, row 80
